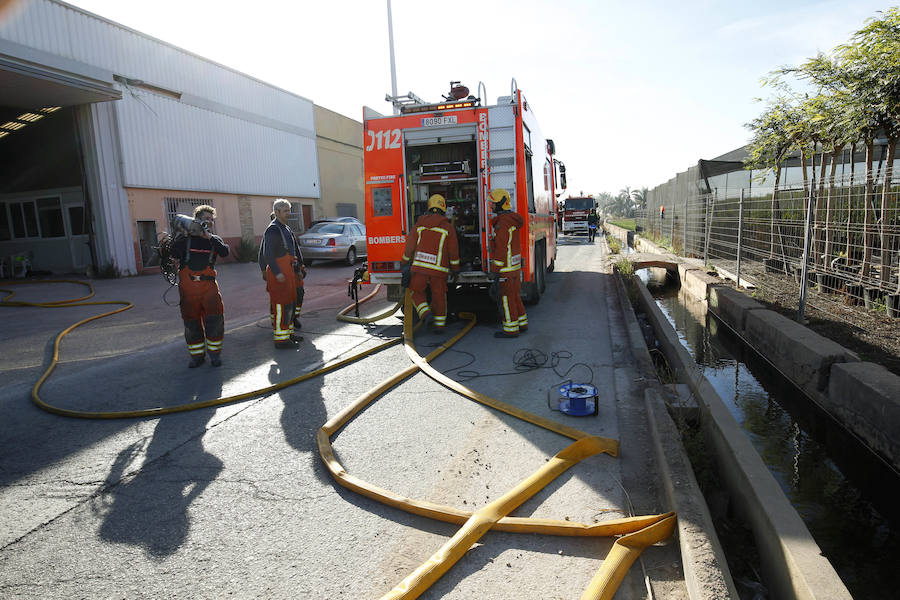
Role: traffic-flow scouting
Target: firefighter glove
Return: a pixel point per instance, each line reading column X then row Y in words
column 405, row 275
column 494, row 289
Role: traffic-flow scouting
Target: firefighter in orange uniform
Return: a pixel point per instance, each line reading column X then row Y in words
column 201, row 302
column 299, row 272
column 506, row 257
column 434, row 251
column 279, row 253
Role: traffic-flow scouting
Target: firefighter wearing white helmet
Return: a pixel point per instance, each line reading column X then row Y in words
column 431, row 253
column 506, row 263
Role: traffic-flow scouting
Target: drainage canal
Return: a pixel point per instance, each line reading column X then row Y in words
column 846, row 496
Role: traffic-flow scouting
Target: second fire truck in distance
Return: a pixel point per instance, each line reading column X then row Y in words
column 575, row 214
column 461, row 149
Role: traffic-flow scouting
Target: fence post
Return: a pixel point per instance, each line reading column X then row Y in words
column 685, row 244
column 804, row 263
column 674, row 216
column 739, row 235
column 709, row 209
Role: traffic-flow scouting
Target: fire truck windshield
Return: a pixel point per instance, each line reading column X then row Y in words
column 579, row 203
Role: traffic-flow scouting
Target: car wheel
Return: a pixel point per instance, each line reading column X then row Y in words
column 351, row 256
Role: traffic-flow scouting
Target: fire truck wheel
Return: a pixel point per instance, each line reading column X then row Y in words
column 351, row 256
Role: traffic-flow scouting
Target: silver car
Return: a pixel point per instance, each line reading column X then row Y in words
column 334, row 240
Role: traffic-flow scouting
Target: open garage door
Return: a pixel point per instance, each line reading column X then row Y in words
column 45, row 208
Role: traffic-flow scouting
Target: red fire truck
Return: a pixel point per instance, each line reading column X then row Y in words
column 575, row 213
column 461, row 149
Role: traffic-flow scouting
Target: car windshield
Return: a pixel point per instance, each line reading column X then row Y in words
column 326, row 228
column 579, row 203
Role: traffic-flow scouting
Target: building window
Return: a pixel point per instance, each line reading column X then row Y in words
column 5, row 226
column 24, row 219
column 50, row 217
column 182, row 206
column 76, row 220
column 147, row 237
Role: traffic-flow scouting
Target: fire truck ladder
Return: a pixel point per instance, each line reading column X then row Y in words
column 502, row 146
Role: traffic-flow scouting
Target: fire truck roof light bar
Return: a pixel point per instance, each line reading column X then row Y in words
column 406, row 109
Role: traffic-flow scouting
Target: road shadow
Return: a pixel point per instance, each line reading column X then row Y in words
column 149, row 507
column 303, row 411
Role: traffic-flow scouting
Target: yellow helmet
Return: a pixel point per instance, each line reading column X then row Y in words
column 501, row 197
column 437, row 201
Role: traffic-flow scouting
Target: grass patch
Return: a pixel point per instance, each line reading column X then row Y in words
column 625, row 267
column 615, row 246
column 624, row 224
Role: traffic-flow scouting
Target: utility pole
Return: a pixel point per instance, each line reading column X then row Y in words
column 393, row 67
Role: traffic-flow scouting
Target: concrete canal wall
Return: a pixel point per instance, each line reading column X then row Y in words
column 792, row 562
column 863, row 397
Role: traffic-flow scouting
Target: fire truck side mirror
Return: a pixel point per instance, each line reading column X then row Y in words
column 561, row 168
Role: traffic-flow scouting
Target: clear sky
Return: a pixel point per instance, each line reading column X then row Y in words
column 632, row 92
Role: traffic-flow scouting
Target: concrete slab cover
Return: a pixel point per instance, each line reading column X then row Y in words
column 866, row 397
column 697, row 282
column 732, row 306
column 802, row 355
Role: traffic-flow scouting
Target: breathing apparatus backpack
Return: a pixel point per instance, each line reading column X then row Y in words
column 182, row 226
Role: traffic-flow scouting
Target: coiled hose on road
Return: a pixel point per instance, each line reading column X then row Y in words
column 636, row 533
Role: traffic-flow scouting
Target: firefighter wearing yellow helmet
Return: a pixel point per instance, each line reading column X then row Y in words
column 506, row 263
column 431, row 253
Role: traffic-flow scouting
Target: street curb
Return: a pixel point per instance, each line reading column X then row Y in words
column 706, row 573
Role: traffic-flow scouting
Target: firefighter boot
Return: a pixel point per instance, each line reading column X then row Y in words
column 196, row 361
column 502, row 335
column 215, row 331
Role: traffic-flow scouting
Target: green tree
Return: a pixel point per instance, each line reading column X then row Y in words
column 770, row 142
column 639, row 198
column 873, row 56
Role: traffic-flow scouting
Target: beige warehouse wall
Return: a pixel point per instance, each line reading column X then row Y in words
column 236, row 215
column 339, row 145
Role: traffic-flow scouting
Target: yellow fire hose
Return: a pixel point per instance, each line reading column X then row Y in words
column 160, row 410
column 342, row 315
column 637, row 532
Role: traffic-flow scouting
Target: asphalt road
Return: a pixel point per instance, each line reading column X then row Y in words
column 235, row 501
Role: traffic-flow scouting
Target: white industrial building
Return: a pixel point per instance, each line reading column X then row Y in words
column 106, row 132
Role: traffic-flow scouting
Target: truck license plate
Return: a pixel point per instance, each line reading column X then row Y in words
column 438, row 121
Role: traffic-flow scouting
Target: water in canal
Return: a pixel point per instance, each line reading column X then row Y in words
column 846, row 496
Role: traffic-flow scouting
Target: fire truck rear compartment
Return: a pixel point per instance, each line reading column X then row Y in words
column 451, row 170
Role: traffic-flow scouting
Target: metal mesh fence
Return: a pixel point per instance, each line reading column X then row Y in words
column 852, row 233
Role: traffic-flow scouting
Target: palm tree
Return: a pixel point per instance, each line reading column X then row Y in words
column 639, row 197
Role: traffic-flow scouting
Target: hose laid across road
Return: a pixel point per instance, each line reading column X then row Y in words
column 160, row 410
column 637, row 532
